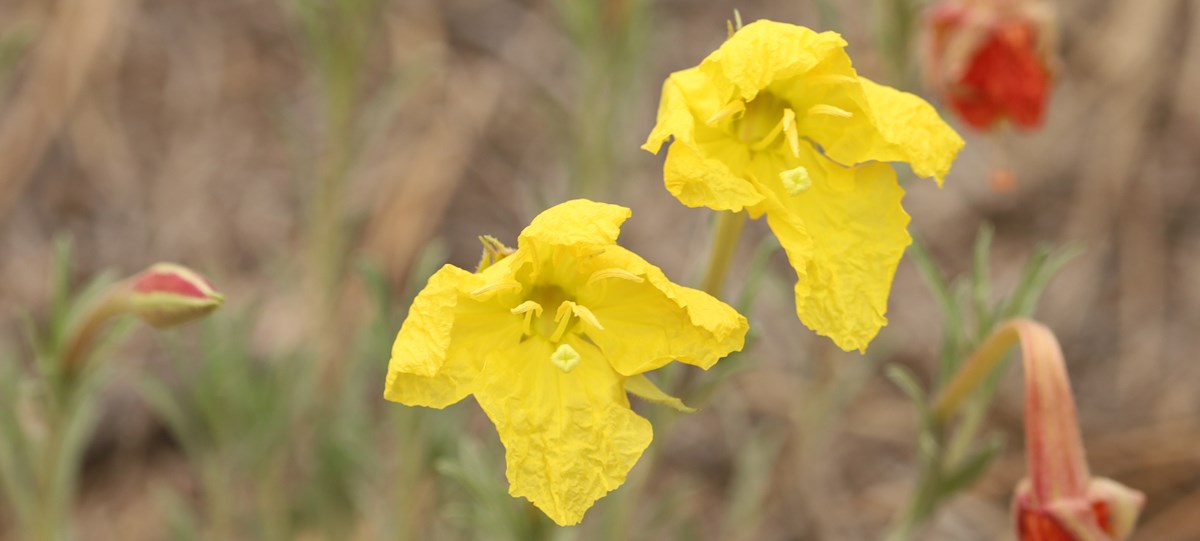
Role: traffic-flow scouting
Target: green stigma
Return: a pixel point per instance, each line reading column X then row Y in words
column 796, row 181
column 565, row 358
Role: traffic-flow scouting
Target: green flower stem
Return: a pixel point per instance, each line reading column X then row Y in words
column 725, row 239
column 973, row 372
column 79, row 345
column 724, row 243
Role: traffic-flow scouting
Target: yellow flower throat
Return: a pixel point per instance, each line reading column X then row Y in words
column 759, row 122
column 555, row 326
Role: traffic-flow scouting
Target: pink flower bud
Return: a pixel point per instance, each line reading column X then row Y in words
column 1060, row 501
column 167, row 294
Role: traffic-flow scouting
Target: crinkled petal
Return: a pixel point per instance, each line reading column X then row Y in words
column 856, row 233
column 705, row 179
column 420, row 346
column 703, row 165
column 651, row 321
column 763, row 52
column 576, row 221
column 570, row 437
column 684, row 93
column 641, row 386
column 441, row 344
column 898, row 127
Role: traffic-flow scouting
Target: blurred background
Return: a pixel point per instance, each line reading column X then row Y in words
column 317, row 160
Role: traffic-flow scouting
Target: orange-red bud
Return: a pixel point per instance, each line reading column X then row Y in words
column 167, row 294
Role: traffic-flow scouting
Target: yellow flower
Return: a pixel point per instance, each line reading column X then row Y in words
column 777, row 122
column 549, row 338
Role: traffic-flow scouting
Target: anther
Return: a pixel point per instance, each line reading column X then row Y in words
column 829, row 110
column 565, row 358
column 735, row 107
column 796, row 181
column 530, row 309
column 498, row 286
column 586, row 315
column 790, row 130
column 614, row 272
column 562, row 317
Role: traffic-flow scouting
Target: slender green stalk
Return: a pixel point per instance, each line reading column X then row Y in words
column 725, row 238
column 985, row 359
column 50, row 515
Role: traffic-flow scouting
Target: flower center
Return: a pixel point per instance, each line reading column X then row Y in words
column 553, row 327
column 759, row 122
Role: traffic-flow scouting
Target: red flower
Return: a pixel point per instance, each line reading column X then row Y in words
column 991, row 60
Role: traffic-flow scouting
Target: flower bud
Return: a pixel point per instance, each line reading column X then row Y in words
column 1060, row 501
column 992, row 60
column 167, row 294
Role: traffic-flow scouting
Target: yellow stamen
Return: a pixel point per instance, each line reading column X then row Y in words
column 563, row 317
column 495, row 287
column 530, row 309
column 565, row 358
column 829, row 78
column 796, row 181
column 829, row 110
column 614, row 272
column 586, row 315
column 770, row 137
column 735, row 107
column 790, row 130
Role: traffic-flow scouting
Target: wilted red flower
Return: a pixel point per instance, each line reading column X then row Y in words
column 992, row 59
column 1060, row 501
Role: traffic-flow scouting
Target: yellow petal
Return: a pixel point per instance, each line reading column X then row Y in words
column 705, row 179
column 440, row 346
column 576, row 221
column 896, row 127
column 854, row 231
column 420, row 346
column 682, row 92
column 763, row 52
column 648, row 324
column 702, row 166
column 569, row 437
column 641, row 386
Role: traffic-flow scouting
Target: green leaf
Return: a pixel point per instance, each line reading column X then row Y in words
column 981, row 281
column 970, row 471
column 907, row 382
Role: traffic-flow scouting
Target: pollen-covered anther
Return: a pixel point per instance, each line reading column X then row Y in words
column 563, row 318
column 796, row 181
column 586, row 315
column 614, row 272
column 734, row 108
column 791, row 132
column 530, row 309
column 829, row 110
column 565, row 358
column 497, row 286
